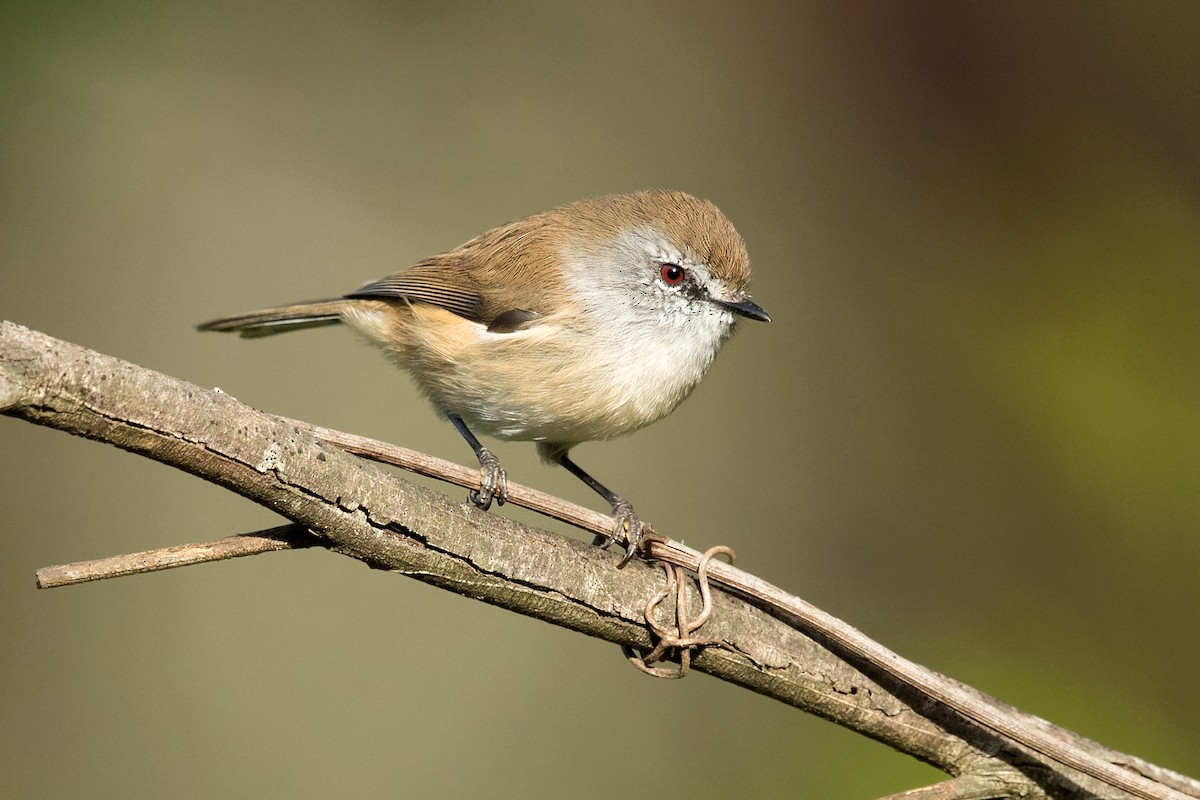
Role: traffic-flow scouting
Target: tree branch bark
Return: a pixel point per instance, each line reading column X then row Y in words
column 389, row 523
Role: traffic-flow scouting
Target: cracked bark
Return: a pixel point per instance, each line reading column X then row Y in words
column 361, row 511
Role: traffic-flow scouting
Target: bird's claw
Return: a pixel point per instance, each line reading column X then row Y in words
column 493, row 482
column 627, row 526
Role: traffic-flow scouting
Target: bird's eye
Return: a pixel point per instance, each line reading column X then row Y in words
column 672, row 274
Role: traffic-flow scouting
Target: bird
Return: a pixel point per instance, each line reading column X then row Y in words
column 581, row 323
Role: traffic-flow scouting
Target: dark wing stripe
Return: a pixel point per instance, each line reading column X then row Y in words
column 424, row 289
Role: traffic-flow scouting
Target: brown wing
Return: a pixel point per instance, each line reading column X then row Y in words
column 500, row 279
column 437, row 281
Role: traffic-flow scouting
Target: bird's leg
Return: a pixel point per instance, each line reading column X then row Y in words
column 493, row 483
column 624, row 517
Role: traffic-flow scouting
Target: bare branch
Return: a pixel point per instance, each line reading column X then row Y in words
column 284, row 537
column 361, row 511
column 832, row 632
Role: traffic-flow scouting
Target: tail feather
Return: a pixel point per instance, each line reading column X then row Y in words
column 269, row 321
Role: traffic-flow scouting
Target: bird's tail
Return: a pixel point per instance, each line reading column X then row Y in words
column 314, row 314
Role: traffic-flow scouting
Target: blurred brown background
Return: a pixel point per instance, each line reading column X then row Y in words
column 972, row 430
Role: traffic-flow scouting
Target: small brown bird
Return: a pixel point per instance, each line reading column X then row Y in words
column 581, row 323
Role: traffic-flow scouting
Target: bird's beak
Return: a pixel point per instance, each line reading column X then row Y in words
column 745, row 308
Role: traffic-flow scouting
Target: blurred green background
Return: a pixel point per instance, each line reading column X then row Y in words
column 972, row 430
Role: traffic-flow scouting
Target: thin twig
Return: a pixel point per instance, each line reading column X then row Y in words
column 283, row 537
column 964, row 787
column 466, row 477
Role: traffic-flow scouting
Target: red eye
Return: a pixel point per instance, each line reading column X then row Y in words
column 672, row 274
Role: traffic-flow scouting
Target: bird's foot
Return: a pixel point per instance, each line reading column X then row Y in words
column 627, row 526
column 493, row 482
